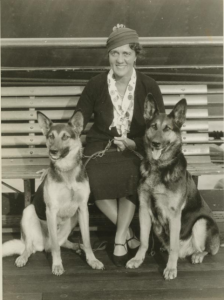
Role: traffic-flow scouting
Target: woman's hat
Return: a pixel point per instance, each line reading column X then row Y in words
column 121, row 36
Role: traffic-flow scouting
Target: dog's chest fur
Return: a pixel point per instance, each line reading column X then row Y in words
column 164, row 199
column 66, row 193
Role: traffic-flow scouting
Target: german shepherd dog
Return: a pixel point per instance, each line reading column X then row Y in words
column 66, row 193
column 169, row 199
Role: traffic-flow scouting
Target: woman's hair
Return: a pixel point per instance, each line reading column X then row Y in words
column 136, row 47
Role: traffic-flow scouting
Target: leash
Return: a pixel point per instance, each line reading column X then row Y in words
column 98, row 153
column 151, row 251
column 97, row 246
column 141, row 157
column 103, row 152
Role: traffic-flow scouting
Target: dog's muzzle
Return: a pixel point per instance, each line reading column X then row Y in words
column 156, row 153
column 54, row 154
column 156, row 150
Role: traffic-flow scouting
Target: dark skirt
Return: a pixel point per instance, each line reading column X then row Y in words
column 114, row 175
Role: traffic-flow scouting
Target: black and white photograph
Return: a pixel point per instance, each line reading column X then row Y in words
column 112, row 150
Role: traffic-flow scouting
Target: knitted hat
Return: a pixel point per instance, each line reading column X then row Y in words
column 121, row 36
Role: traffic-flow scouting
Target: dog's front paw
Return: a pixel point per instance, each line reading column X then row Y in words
column 170, row 273
column 57, row 270
column 95, row 264
column 134, row 263
column 21, row 261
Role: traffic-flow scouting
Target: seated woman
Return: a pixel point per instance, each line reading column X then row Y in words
column 116, row 98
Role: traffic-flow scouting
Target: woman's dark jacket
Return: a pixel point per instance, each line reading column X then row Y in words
column 96, row 99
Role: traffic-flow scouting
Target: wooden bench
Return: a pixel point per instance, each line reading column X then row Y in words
column 23, row 145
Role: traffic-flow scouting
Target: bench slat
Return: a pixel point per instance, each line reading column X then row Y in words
column 26, row 172
column 194, row 113
column 216, row 125
column 23, row 152
column 23, row 140
column 57, row 102
column 41, row 90
column 198, row 159
column 196, row 125
column 42, row 152
column 183, row 89
column 37, row 140
column 27, row 127
column 196, row 149
column 22, row 172
column 76, row 90
column 32, row 140
column 45, row 161
column 71, row 101
column 215, row 98
column 195, row 138
column 192, row 100
column 31, row 115
column 25, row 162
column 66, row 114
column 205, row 169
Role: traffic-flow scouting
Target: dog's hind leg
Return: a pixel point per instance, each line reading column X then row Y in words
column 31, row 235
column 72, row 246
column 23, row 258
column 213, row 238
column 205, row 240
column 65, row 231
column 197, row 257
column 199, row 235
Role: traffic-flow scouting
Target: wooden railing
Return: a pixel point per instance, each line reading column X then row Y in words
column 101, row 42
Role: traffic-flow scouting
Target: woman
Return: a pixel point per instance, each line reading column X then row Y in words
column 117, row 100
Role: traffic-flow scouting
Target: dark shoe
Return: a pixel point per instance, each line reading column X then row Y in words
column 132, row 251
column 120, row 261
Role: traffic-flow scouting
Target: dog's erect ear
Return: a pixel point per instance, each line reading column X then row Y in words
column 77, row 121
column 178, row 114
column 44, row 123
column 150, row 108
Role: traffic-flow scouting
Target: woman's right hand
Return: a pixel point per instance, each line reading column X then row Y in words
column 123, row 143
column 119, row 143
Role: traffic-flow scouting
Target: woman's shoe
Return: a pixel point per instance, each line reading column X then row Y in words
column 132, row 251
column 120, row 261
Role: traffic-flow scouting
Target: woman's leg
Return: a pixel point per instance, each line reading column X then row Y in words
column 121, row 215
column 109, row 208
column 126, row 210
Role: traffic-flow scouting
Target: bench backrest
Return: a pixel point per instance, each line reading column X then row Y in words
column 23, row 142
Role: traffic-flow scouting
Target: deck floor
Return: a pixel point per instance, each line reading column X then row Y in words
column 36, row 282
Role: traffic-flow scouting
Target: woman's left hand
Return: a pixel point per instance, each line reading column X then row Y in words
column 123, row 143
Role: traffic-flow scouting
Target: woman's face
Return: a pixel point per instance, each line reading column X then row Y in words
column 122, row 60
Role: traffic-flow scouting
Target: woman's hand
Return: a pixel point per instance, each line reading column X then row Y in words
column 123, row 143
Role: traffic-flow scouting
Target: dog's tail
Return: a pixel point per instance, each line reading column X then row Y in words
column 13, row 247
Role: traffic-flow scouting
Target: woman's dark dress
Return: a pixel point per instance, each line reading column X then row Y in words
column 116, row 174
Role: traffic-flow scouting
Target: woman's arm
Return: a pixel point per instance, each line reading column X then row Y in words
column 150, row 86
column 158, row 96
column 86, row 102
